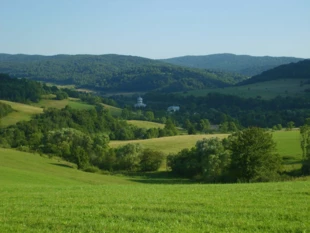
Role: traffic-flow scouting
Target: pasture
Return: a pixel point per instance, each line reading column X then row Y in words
column 169, row 144
column 37, row 195
column 22, row 112
column 146, row 124
column 266, row 90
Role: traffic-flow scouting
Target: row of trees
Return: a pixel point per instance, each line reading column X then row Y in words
column 220, row 108
column 90, row 151
column 246, row 156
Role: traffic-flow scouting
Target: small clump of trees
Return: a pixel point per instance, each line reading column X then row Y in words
column 245, row 156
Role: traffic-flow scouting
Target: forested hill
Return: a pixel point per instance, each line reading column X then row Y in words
column 299, row 70
column 241, row 64
column 113, row 72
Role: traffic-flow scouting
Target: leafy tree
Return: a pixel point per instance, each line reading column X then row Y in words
column 207, row 161
column 149, row 115
column 128, row 157
column 290, row 125
column 253, row 156
column 60, row 95
column 214, row 159
column 204, row 125
column 150, row 160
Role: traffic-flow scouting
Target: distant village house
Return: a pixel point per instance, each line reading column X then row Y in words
column 140, row 103
column 173, row 108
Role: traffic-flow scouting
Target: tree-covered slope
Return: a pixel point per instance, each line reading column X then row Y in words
column 242, row 64
column 299, row 70
column 113, row 72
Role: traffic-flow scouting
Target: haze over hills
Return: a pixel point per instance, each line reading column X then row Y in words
column 298, row 70
column 113, row 72
column 242, row 64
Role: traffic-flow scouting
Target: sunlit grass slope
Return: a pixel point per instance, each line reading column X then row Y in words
column 269, row 207
column 113, row 110
column 42, row 195
column 19, row 167
column 266, row 90
column 146, row 124
column 51, row 103
column 169, row 144
column 22, row 112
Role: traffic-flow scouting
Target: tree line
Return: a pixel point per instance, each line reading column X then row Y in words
column 220, row 109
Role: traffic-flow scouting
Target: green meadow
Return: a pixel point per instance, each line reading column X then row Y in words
column 266, row 90
column 169, row 144
column 113, row 110
column 22, row 112
column 146, row 124
column 288, row 143
column 48, row 195
column 51, row 103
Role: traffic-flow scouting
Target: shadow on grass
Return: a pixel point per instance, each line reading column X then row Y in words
column 62, row 165
column 158, row 178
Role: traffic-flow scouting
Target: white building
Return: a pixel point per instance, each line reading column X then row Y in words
column 173, row 108
column 140, row 103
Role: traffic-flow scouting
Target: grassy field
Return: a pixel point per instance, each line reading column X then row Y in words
column 169, row 144
column 42, row 195
column 22, row 112
column 51, row 103
column 146, row 124
column 113, row 110
column 19, row 167
column 267, row 90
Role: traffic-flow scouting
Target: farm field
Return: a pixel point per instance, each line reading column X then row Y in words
column 169, row 144
column 39, row 196
column 288, row 143
column 266, row 90
column 146, row 124
column 23, row 112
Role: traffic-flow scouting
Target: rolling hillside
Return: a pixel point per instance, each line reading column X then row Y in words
column 112, row 72
column 242, row 64
column 40, row 194
column 298, row 70
column 25, row 168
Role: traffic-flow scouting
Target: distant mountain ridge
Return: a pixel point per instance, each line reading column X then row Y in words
column 113, row 72
column 298, row 70
column 242, row 64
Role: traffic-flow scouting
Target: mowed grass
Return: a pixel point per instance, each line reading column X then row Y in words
column 266, row 90
column 146, row 124
column 22, row 112
column 169, row 144
column 39, row 196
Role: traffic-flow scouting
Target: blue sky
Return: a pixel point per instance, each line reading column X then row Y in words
column 156, row 28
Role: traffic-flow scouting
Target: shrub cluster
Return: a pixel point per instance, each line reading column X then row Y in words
column 246, row 156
